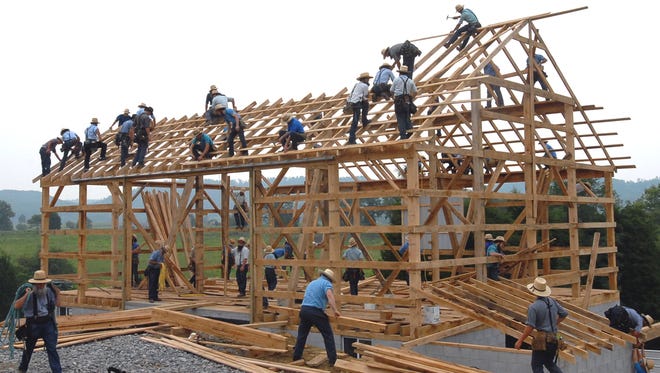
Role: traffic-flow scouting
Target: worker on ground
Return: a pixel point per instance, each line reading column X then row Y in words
column 353, row 275
column 38, row 305
column 495, row 249
column 241, row 255
column 318, row 295
column 544, row 315
column 156, row 262
column 404, row 91
column 472, row 24
column 359, row 100
column 294, row 133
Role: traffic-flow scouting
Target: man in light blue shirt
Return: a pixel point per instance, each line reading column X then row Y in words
column 234, row 126
column 404, row 91
column 318, row 295
column 381, row 86
column 472, row 24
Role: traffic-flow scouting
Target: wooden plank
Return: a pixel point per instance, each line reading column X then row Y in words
column 221, row 329
column 592, row 268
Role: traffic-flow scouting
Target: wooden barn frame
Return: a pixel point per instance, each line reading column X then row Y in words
column 442, row 180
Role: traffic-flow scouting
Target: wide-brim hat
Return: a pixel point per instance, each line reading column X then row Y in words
column 351, row 242
column 404, row 69
column 268, row 249
column 219, row 107
column 232, row 241
column 459, row 7
column 126, row 111
column 385, row 51
column 286, row 118
column 63, row 130
column 364, row 76
column 488, row 237
column 385, row 65
column 649, row 320
column 329, row 274
column 241, row 239
column 142, row 104
column 94, row 121
column 650, row 364
column 539, row 287
column 212, row 87
column 499, row 239
column 197, row 132
column 39, row 278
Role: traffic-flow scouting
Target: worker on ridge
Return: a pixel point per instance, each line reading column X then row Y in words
column 469, row 29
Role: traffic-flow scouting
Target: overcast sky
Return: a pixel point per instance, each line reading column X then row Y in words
column 64, row 62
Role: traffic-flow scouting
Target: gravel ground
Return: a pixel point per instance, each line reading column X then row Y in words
column 128, row 353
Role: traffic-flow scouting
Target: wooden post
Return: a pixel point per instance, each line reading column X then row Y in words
column 592, row 269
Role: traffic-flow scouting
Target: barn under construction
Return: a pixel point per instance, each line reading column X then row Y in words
column 459, row 164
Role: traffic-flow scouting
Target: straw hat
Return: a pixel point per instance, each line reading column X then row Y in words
column 39, row 278
column 385, row 51
column 329, row 274
column 268, row 249
column 539, row 287
column 488, row 237
column 649, row 320
column 219, row 107
column 232, row 241
column 142, row 105
column 197, row 132
column 241, row 239
column 459, row 7
column 126, row 111
column 212, row 87
column 499, row 239
column 351, row 242
column 286, row 117
column 386, row 65
column 404, row 69
column 63, row 130
column 649, row 364
column 94, row 121
column 364, row 76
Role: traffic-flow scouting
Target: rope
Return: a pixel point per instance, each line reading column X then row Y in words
column 11, row 321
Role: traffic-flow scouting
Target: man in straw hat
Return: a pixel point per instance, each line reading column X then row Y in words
column 472, row 24
column 359, row 100
column 38, row 305
column 121, row 118
column 142, row 132
column 234, row 127
column 293, row 134
column 544, row 316
column 628, row 320
column 201, row 146
column 156, row 261
column 241, row 257
column 495, row 249
column 93, row 141
column 318, row 295
column 404, row 91
column 209, row 97
column 353, row 275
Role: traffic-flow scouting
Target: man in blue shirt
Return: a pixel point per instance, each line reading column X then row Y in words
column 544, row 315
column 294, row 133
column 125, row 139
column 135, row 260
column 93, row 141
column 472, row 24
column 234, row 126
column 353, row 275
column 381, row 86
column 121, row 118
column 153, row 270
column 359, row 100
column 38, row 305
column 492, row 70
column 495, row 249
column 539, row 60
column 70, row 143
column 201, row 146
column 318, row 295
column 404, row 91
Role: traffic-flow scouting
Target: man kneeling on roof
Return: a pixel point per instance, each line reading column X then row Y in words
column 202, row 146
column 293, row 134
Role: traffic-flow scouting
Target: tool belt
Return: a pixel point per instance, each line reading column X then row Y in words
column 542, row 339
